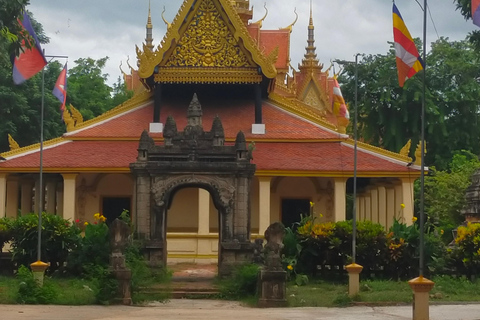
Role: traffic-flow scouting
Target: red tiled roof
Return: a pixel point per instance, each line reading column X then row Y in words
column 301, row 156
column 235, row 115
column 270, row 39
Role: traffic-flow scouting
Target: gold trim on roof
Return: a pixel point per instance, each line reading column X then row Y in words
column 148, row 60
column 133, row 102
column 379, row 150
column 302, row 109
column 207, row 75
column 31, row 147
column 406, row 148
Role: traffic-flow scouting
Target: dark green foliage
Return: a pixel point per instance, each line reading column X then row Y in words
column 29, row 292
column 5, row 231
column 93, row 250
column 59, row 238
column 242, row 283
column 465, row 7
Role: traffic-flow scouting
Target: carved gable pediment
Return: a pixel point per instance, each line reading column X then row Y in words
column 311, row 96
column 206, row 43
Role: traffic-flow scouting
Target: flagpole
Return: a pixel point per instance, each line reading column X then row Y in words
column 422, row 146
column 40, row 193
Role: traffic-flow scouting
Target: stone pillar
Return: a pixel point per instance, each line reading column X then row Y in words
column 382, row 206
column 407, row 191
column 69, row 198
column 421, row 287
column 26, row 201
column 51, row 196
column 374, row 205
column 142, row 207
column 12, row 197
column 390, row 206
column 3, row 194
column 60, row 194
column 203, row 212
column 340, row 202
column 263, row 203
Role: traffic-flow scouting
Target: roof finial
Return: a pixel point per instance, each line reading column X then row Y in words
column 149, row 38
column 311, row 15
column 168, row 24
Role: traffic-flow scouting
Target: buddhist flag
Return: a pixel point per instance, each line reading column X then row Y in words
column 60, row 89
column 339, row 107
column 30, row 61
column 476, row 12
column 408, row 59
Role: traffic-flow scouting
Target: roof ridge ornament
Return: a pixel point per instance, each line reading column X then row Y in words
column 290, row 26
column 168, row 24
column 260, row 22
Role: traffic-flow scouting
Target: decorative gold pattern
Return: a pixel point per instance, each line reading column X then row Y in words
column 406, row 148
column 31, row 147
column 148, row 60
column 313, row 100
column 207, row 42
column 290, row 26
column 12, row 143
column 76, row 115
column 212, row 75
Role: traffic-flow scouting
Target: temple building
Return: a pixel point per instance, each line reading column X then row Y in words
column 215, row 74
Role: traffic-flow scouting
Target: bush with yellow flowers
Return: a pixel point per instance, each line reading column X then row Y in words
column 467, row 250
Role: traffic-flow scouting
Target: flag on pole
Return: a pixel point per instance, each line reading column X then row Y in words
column 60, row 89
column 476, row 12
column 408, row 59
column 339, row 106
column 30, row 61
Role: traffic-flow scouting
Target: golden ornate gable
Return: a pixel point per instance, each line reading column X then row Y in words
column 206, row 43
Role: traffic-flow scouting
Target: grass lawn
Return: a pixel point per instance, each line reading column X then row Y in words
column 320, row 293
column 69, row 291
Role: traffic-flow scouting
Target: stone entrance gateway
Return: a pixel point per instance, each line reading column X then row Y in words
column 194, row 158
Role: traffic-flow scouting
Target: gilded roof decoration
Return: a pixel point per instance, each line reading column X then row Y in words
column 68, row 119
column 12, row 143
column 418, row 153
column 406, row 148
column 290, row 26
column 207, row 42
column 76, row 115
column 190, row 9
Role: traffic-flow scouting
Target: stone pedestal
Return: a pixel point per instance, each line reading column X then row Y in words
column 38, row 269
column 119, row 238
column 272, row 289
column 421, row 287
column 353, row 278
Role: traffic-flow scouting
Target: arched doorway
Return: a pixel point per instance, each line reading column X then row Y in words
column 194, row 158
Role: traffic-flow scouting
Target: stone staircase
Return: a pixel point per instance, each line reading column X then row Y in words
column 192, row 281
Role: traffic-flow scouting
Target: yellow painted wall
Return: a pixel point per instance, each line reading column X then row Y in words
column 183, row 214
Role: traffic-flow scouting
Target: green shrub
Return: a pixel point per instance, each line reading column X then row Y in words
column 93, row 249
column 243, row 282
column 5, row 231
column 29, row 292
column 59, row 238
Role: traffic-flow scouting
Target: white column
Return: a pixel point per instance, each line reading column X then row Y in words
column 390, row 206
column 12, row 197
column 382, row 206
column 407, row 191
column 26, row 201
column 263, row 203
column 398, row 203
column 357, row 207
column 36, row 200
column 340, row 202
column 203, row 211
column 3, row 194
column 368, row 206
column 69, row 198
column 51, row 196
column 374, row 205
column 361, row 208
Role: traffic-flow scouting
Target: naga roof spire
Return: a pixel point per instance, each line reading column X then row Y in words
column 149, row 27
column 310, row 57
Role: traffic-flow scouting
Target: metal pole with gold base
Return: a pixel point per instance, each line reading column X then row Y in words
column 421, row 287
column 38, row 269
column 353, row 278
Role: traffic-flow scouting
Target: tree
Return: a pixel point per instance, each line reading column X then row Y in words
column 465, row 7
column 87, row 88
column 390, row 115
column 120, row 92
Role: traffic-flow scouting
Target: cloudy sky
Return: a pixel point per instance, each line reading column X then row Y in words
column 99, row 28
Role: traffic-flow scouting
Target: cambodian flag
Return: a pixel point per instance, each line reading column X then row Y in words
column 408, row 59
column 476, row 12
column 30, row 61
column 60, row 89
